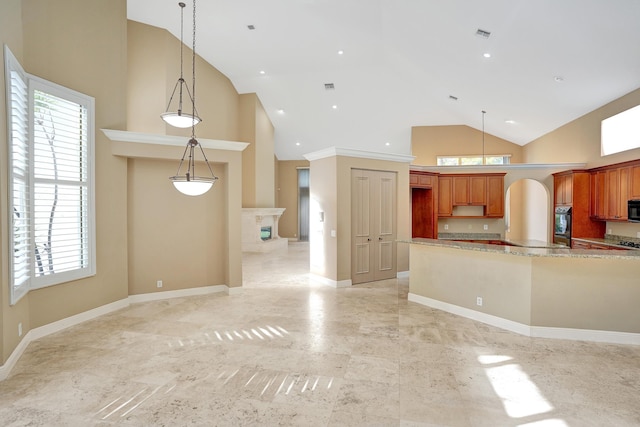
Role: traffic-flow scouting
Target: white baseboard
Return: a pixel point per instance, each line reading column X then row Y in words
column 156, row 296
column 489, row 319
column 57, row 326
column 612, row 337
column 402, row 274
column 236, row 290
column 61, row 324
column 331, row 282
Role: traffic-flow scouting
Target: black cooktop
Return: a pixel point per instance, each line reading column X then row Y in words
column 629, row 244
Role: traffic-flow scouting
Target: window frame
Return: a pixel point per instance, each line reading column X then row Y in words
column 459, row 158
column 34, row 83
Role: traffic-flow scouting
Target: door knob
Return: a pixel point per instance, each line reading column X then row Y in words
column 368, row 240
column 379, row 238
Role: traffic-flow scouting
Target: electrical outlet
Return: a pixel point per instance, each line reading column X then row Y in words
column 638, row 234
column 486, row 227
column 20, row 329
column 609, row 231
column 446, row 226
column 159, row 283
column 479, row 301
column 469, row 226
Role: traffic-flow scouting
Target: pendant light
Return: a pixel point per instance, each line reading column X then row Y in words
column 190, row 183
column 179, row 118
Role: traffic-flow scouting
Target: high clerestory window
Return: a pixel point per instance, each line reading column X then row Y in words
column 51, row 190
column 473, row 160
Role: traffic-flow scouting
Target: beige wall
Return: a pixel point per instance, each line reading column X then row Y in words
column 331, row 193
column 579, row 140
column 577, row 293
column 258, row 178
column 87, row 54
column 323, row 198
column 287, row 190
column 153, row 63
column 191, row 249
column 427, row 142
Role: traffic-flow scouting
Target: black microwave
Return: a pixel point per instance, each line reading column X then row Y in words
column 634, row 211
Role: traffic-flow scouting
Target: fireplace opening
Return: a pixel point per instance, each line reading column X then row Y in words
column 265, row 233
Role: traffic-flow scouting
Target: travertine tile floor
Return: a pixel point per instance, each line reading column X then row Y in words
column 289, row 351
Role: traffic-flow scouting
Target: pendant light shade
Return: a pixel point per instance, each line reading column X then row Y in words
column 178, row 118
column 190, row 183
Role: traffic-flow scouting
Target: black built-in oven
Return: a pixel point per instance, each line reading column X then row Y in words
column 633, row 210
column 562, row 227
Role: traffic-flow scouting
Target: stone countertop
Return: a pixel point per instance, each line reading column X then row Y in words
column 607, row 241
column 528, row 251
column 534, row 244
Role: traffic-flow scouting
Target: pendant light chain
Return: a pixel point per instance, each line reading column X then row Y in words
column 182, row 5
column 193, row 71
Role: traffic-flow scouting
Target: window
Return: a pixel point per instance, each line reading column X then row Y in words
column 52, row 233
column 473, row 160
column 620, row 132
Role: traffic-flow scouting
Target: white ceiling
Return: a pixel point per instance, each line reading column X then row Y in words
column 404, row 58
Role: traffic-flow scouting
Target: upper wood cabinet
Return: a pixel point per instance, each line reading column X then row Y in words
column 611, row 188
column 563, row 188
column 485, row 190
column 422, row 179
column 598, row 195
column 634, row 182
column 470, row 190
column 495, row 197
column 445, row 190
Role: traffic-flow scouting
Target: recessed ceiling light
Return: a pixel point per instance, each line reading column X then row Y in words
column 340, row 52
column 486, row 55
column 558, row 79
column 262, row 72
column 281, row 111
column 297, row 143
column 387, row 144
column 335, row 107
column 510, row 122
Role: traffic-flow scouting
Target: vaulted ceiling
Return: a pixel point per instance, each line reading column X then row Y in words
column 395, row 64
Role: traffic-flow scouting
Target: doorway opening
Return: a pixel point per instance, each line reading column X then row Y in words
column 303, row 205
column 527, row 211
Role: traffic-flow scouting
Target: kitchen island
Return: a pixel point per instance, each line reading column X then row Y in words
column 545, row 292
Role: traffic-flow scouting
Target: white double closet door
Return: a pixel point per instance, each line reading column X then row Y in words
column 373, row 225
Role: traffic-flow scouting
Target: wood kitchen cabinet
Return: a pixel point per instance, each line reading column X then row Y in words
column 495, row 197
column 469, row 190
column 445, row 194
column 424, row 204
column 486, row 190
column 611, row 188
column 563, row 188
column 573, row 188
column 634, row 182
column 598, row 196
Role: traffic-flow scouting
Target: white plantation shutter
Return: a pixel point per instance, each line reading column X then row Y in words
column 51, row 155
column 19, row 172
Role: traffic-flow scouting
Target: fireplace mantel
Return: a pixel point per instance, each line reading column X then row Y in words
column 253, row 219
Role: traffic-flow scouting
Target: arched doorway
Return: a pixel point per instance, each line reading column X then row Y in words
column 527, row 211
